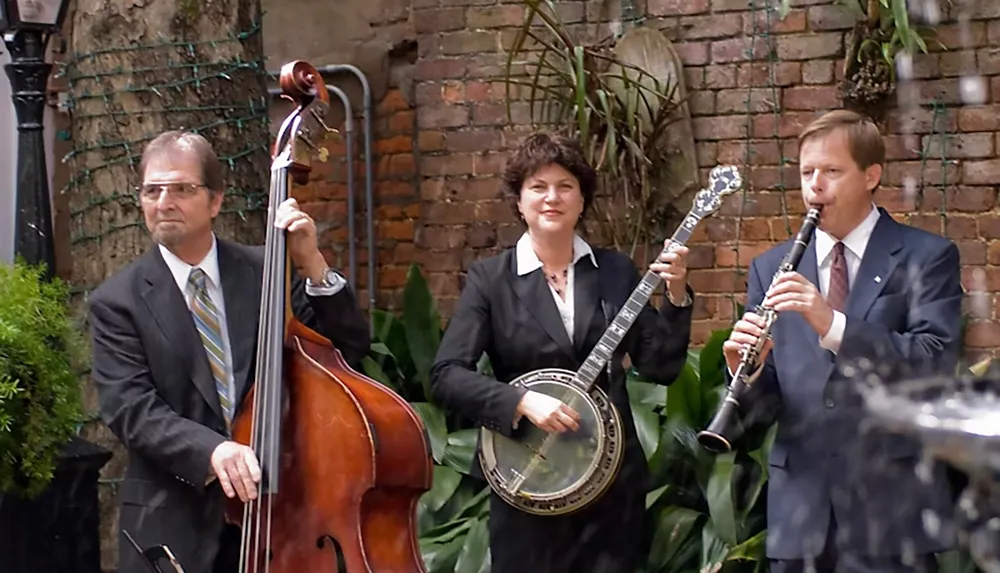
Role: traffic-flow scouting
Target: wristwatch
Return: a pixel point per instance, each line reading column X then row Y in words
column 686, row 302
column 331, row 278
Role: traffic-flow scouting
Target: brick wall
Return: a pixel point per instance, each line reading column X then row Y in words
column 754, row 82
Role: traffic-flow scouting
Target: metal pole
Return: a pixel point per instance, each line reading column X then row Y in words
column 352, row 254
column 29, row 73
column 369, row 178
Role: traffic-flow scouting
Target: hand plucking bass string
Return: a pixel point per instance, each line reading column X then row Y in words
column 551, row 414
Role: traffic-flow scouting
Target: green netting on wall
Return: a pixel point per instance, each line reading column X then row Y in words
column 120, row 98
column 940, row 138
column 763, row 13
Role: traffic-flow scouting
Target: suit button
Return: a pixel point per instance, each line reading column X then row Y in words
column 828, row 402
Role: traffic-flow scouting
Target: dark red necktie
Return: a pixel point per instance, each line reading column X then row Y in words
column 839, row 282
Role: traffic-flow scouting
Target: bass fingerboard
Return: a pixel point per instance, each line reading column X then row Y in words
column 620, row 326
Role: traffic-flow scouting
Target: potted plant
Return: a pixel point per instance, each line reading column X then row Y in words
column 625, row 100
column 48, row 476
column 883, row 29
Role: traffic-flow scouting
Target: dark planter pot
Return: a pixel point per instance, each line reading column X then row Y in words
column 57, row 532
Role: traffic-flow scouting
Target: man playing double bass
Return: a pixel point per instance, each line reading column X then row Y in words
column 870, row 297
column 174, row 338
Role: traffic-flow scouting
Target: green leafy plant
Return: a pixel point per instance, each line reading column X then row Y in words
column 706, row 512
column 883, row 29
column 607, row 98
column 40, row 398
column 453, row 514
column 895, row 32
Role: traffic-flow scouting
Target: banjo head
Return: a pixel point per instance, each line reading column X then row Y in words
column 551, row 474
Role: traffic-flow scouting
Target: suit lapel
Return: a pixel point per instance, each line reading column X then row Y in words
column 535, row 295
column 877, row 266
column 170, row 311
column 585, row 294
column 241, row 292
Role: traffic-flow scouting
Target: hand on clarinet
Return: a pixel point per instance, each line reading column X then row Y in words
column 238, row 471
column 791, row 292
column 745, row 333
column 548, row 413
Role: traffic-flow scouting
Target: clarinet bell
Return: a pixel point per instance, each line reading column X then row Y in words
column 713, row 442
column 725, row 428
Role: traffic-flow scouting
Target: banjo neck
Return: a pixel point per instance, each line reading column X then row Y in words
column 612, row 337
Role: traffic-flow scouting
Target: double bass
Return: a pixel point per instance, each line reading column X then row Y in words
column 344, row 459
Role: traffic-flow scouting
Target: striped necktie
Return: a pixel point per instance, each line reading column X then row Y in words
column 839, row 281
column 206, row 318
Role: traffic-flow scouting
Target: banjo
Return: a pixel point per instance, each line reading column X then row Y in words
column 559, row 473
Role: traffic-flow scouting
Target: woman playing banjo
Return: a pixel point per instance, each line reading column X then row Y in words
column 545, row 304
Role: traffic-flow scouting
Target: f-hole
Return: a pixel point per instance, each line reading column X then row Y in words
column 339, row 552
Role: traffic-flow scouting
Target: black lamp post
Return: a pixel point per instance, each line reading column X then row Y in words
column 26, row 26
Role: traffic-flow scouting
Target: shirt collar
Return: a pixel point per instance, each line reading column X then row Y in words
column 856, row 241
column 181, row 270
column 527, row 260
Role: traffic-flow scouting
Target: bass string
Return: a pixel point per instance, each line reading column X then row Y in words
column 273, row 384
column 256, row 534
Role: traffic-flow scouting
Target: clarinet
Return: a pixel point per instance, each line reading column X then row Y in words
column 725, row 426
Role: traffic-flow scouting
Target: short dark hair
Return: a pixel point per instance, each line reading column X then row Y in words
column 186, row 141
column 863, row 137
column 539, row 150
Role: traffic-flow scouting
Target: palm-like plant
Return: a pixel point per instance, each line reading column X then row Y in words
column 618, row 101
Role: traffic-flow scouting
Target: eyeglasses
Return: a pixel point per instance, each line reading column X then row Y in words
column 152, row 191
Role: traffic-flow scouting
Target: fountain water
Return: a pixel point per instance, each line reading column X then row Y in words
column 956, row 418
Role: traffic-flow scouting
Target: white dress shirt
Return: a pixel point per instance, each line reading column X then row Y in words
column 528, row 261
column 855, row 244
column 181, row 271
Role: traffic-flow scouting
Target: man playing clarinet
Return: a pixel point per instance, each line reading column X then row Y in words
column 869, row 295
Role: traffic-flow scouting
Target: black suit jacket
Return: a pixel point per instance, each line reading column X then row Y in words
column 158, row 396
column 515, row 321
column 903, row 321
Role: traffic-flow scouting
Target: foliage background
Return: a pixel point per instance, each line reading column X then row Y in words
column 40, row 402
